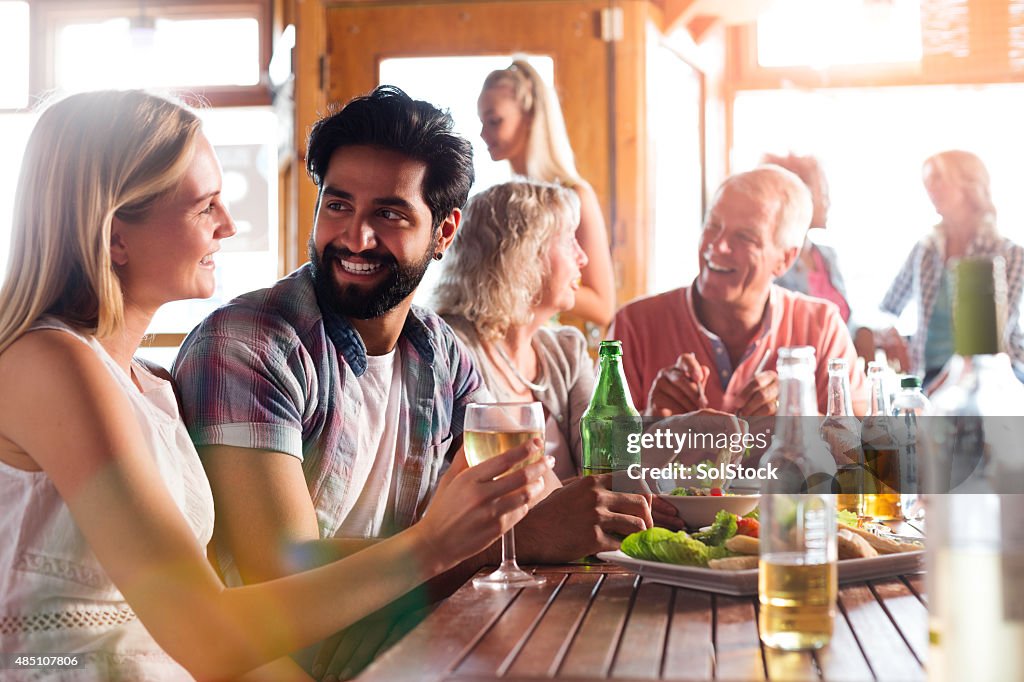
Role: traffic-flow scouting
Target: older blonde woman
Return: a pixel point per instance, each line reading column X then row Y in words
column 958, row 186
column 522, row 123
column 514, row 264
column 106, row 510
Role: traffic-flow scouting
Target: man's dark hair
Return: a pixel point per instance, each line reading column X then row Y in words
column 390, row 119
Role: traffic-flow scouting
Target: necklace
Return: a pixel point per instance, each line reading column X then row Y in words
column 538, row 388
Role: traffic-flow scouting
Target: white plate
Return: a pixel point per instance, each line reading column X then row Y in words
column 745, row 582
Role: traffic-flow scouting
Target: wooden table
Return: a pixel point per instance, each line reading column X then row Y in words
column 600, row 621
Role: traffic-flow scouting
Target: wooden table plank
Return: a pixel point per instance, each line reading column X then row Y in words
column 907, row 612
column 496, row 649
column 842, row 660
column 737, row 647
column 544, row 650
column 889, row 656
column 917, row 583
column 690, row 648
column 596, row 567
column 593, row 650
column 643, row 640
column 791, row 666
column 589, row 623
column 443, row 638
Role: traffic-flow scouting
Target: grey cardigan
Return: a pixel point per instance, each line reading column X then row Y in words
column 569, row 371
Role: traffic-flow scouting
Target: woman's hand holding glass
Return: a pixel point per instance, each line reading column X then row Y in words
column 474, row 506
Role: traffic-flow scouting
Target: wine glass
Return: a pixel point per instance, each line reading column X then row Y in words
column 489, row 430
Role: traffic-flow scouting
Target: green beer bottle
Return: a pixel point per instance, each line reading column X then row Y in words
column 611, row 418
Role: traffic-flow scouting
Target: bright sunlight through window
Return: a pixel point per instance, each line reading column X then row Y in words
column 115, row 53
column 819, row 33
column 13, row 55
column 872, row 143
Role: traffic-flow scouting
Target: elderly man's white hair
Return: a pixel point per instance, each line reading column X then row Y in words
column 775, row 186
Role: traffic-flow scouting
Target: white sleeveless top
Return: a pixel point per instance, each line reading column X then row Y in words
column 55, row 597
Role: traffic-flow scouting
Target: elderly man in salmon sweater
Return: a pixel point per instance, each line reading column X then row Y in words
column 714, row 344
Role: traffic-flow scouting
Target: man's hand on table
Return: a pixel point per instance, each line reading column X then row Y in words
column 581, row 518
column 679, row 388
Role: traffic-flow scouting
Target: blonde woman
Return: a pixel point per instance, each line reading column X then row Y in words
column 522, row 123
column 106, row 509
column 514, row 264
column 958, row 186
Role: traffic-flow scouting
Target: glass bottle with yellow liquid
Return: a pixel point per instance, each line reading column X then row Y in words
column 797, row 580
column 881, row 452
column 974, row 478
column 841, row 432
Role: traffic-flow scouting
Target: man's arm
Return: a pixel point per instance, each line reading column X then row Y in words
column 265, row 517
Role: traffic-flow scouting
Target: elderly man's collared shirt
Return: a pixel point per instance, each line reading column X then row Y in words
column 657, row 329
column 271, row 371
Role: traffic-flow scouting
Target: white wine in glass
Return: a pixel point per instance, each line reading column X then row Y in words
column 489, row 430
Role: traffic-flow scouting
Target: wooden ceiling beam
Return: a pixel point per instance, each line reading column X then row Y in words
column 699, row 25
column 677, row 13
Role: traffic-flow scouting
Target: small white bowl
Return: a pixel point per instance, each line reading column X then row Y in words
column 699, row 510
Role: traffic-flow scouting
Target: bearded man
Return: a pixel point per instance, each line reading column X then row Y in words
column 326, row 407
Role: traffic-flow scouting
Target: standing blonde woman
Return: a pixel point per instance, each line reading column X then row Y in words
column 522, row 123
column 958, row 186
column 106, row 509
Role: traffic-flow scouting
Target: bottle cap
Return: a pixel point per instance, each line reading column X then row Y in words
column 910, row 382
column 610, row 348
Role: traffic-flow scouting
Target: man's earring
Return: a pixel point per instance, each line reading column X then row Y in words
column 439, row 255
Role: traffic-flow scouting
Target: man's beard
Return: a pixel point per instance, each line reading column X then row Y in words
column 350, row 300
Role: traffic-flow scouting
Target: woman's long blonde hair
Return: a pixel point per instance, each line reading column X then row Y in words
column 967, row 171
column 91, row 157
column 495, row 269
column 548, row 152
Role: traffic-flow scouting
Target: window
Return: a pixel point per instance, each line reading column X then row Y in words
column 872, row 143
column 218, row 52
column 13, row 54
column 822, row 34
column 126, row 52
column 675, row 99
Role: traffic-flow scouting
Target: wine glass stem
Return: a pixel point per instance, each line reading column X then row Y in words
column 508, row 550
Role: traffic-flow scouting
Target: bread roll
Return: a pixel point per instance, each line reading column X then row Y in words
column 734, row 563
column 852, row 546
column 884, row 545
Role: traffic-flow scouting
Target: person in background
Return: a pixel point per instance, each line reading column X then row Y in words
column 522, row 123
column 497, row 300
column 326, row 407
column 713, row 344
column 816, row 270
column 958, row 186
column 106, row 512
column 515, row 264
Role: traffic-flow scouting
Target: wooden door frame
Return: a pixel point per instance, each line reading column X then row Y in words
column 618, row 175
